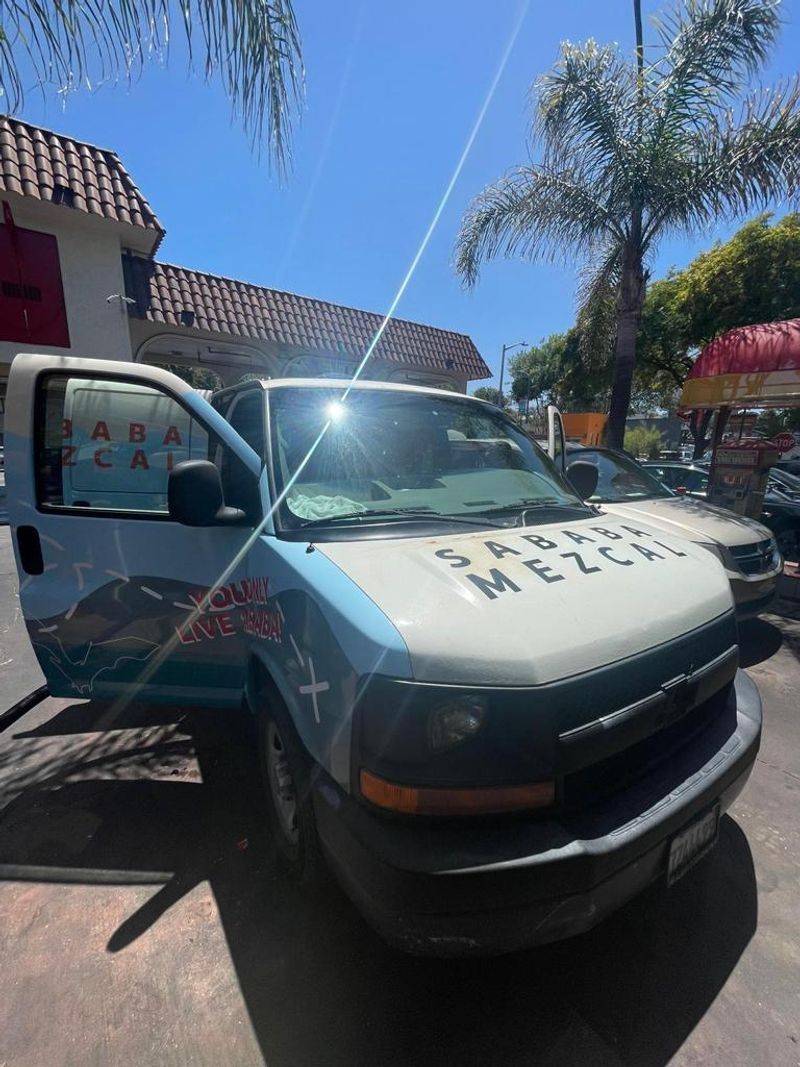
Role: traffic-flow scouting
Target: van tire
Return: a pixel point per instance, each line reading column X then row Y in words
column 286, row 774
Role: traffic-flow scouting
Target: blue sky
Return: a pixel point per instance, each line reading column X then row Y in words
column 393, row 91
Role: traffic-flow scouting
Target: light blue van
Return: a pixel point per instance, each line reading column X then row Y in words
column 496, row 711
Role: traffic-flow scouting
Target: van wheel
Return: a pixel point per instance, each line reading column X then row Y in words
column 285, row 772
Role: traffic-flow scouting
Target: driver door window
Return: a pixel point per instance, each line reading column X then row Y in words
column 109, row 445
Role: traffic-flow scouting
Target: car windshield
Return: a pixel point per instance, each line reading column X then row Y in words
column 397, row 455
column 619, row 477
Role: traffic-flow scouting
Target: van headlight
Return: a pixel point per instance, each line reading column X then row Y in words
column 434, row 736
column 455, row 721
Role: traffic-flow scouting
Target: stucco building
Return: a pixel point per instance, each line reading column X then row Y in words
column 79, row 275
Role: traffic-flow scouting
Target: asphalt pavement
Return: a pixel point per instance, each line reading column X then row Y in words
column 142, row 921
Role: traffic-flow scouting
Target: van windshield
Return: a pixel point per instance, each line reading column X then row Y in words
column 404, row 456
column 619, row 477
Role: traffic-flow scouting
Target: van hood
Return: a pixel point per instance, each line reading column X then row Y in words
column 685, row 516
column 534, row 604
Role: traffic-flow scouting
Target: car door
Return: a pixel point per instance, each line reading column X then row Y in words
column 556, row 440
column 118, row 598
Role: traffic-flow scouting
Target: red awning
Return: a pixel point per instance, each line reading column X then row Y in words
column 750, row 349
column 749, row 366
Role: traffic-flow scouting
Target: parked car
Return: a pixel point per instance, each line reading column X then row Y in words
column 681, row 478
column 791, row 465
column 782, row 481
column 781, row 512
column 498, row 713
column 746, row 549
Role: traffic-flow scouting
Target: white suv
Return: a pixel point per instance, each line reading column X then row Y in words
column 747, row 550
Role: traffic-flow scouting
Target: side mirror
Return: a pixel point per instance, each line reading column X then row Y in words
column 681, row 490
column 194, row 495
column 584, row 477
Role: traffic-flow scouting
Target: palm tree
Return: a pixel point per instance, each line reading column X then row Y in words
column 253, row 46
column 631, row 152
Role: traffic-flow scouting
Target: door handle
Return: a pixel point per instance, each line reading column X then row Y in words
column 30, row 549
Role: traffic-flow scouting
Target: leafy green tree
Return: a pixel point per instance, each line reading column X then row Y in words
column 197, row 377
column 559, row 371
column 535, row 371
column 631, row 153
column 251, row 46
column 494, row 396
column 644, row 441
column 753, row 277
column 772, row 422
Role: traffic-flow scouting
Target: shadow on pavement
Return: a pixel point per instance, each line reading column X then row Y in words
column 319, row 986
column 758, row 641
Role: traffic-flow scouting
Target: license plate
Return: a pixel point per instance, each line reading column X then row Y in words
column 691, row 844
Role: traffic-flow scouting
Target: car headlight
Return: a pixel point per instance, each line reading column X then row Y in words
column 716, row 550
column 777, row 555
column 455, row 721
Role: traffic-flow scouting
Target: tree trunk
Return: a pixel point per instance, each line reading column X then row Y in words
column 698, row 425
column 629, row 312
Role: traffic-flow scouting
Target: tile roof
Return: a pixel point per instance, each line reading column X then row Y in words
column 49, row 166
column 163, row 292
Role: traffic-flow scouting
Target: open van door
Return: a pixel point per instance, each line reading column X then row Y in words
column 118, row 596
column 556, row 440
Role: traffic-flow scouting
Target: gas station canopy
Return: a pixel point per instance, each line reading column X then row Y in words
column 751, row 366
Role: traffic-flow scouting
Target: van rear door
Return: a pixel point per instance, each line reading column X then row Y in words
column 119, row 599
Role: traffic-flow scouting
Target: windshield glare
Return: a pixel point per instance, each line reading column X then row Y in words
column 620, row 478
column 392, row 451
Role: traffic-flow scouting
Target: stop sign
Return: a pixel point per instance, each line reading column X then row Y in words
column 784, row 442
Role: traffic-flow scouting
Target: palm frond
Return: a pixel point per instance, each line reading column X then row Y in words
column 758, row 153
column 251, row 46
column 711, row 48
column 732, row 166
column 535, row 213
column 583, row 109
column 597, row 305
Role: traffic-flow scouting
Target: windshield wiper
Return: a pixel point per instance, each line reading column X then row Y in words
column 402, row 513
column 531, row 505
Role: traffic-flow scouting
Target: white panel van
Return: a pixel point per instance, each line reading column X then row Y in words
column 479, row 699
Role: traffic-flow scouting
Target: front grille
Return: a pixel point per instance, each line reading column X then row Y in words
column 757, row 558
column 716, row 715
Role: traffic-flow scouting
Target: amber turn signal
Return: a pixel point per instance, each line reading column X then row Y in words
column 495, row 800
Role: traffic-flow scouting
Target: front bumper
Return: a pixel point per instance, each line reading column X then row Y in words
column 751, row 596
column 439, row 888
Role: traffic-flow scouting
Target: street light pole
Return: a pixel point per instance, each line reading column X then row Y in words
column 506, row 348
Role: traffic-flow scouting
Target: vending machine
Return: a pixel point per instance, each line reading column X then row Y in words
column 739, row 473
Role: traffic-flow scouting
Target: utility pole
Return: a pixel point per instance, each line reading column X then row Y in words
column 637, row 21
column 507, row 348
